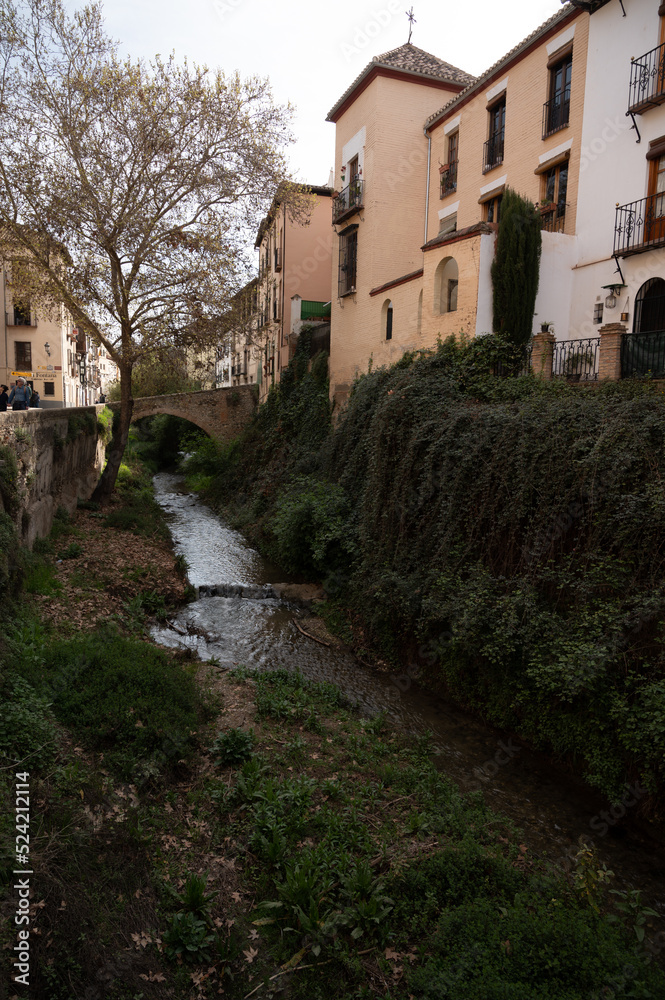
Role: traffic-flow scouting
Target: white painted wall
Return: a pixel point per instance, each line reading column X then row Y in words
column 555, row 290
column 614, row 168
column 484, row 312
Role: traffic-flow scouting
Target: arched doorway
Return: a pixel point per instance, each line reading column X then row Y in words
column 650, row 307
column 643, row 351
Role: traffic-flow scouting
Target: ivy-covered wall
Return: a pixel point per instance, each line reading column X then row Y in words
column 49, row 458
column 505, row 535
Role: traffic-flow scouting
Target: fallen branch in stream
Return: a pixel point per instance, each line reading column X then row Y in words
column 308, row 634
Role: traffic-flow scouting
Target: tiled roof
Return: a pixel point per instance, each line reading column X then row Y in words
column 409, row 59
column 477, row 229
column 478, row 83
column 415, row 60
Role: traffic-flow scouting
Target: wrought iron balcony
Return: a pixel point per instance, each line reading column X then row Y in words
column 553, row 218
column 493, row 152
column 647, row 81
column 576, row 360
column 348, row 201
column 449, row 179
column 639, row 225
column 556, row 115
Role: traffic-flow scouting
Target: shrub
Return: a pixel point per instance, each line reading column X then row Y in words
column 516, row 268
column 313, row 530
column 124, row 697
column 233, row 747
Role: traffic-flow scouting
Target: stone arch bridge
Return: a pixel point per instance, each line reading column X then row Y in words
column 221, row 413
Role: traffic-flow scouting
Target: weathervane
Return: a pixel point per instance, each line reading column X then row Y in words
column 412, row 21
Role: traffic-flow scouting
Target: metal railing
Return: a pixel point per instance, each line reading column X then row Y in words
column 348, row 201
column 643, row 355
column 640, row 225
column 449, row 179
column 556, row 114
column 647, row 81
column 493, row 152
column 576, row 360
column 552, row 220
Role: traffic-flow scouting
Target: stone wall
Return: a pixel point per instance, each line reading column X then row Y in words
column 60, row 458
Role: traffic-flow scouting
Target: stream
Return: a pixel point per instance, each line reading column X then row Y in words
column 244, row 622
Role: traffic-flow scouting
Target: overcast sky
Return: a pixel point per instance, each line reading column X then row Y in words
column 312, row 53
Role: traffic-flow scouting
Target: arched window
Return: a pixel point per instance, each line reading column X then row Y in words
column 445, row 286
column 387, row 319
column 650, row 307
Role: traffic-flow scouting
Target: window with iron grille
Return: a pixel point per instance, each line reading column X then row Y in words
column 557, row 110
column 23, row 355
column 555, row 191
column 449, row 172
column 493, row 150
column 49, row 388
column 493, row 208
column 21, row 314
column 348, row 259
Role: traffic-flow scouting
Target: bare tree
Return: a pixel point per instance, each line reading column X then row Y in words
column 127, row 187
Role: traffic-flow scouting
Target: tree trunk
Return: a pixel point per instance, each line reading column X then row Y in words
column 116, row 449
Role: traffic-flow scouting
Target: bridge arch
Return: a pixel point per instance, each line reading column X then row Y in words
column 221, row 413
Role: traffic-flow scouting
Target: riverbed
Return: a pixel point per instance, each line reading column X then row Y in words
column 246, row 623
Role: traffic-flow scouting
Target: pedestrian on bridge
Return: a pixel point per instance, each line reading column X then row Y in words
column 19, row 397
column 4, row 398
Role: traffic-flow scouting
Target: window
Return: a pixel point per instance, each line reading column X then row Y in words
column 598, row 312
column 23, row 355
column 556, row 113
column 387, row 315
column 553, row 206
column 452, row 295
column 348, row 256
column 446, row 279
column 449, row 171
column 493, row 152
column 654, row 227
column 448, row 224
column 49, row 388
column 21, row 314
column 493, row 208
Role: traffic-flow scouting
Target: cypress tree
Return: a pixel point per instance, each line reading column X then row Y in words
column 516, row 268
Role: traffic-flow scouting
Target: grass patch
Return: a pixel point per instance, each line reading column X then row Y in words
column 123, row 697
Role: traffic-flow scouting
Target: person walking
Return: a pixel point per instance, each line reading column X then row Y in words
column 4, row 398
column 19, row 397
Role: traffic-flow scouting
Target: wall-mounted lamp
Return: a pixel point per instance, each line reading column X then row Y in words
column 47, row 348
column 612, row 291
column 625, row 314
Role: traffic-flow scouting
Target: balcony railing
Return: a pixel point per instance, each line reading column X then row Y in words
column 640, row 225
column 348, row 201
column 553, row 218
column 449, row 179
column 556, row 115
column 647, row 81
column 576, row 360
column 493, row 152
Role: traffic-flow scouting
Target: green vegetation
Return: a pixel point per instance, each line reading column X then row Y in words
column 506, row 535
column 516, row 268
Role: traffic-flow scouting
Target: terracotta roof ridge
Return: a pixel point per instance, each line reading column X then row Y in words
column 560, row 15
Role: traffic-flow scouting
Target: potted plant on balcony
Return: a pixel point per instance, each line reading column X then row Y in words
column 546, row 327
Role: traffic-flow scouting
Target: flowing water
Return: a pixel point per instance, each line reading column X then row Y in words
column 238, row 619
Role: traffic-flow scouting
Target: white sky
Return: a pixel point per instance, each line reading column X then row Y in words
column 312, row 54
